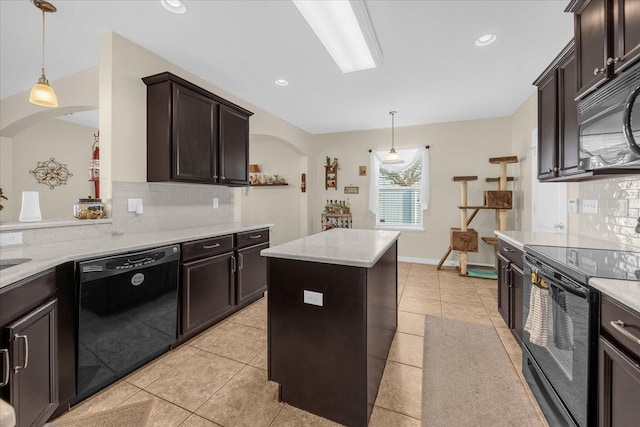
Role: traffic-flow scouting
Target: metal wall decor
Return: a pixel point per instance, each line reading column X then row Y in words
column 51, row 173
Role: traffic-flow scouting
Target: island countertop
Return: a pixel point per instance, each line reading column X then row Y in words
column 342, row 246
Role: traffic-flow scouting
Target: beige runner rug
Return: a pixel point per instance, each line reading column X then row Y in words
column 131, row 415
column 468, row 378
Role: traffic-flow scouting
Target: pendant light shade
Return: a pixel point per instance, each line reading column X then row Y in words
column 392, row 157
column 41, row 93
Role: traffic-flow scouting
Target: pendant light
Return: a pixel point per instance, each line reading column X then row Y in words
column 392, row 157
column 41, row 93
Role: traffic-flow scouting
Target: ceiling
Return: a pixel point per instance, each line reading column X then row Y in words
column 431, row 70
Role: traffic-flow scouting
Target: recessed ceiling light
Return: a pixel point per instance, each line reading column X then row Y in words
column 282, row 82
column 175, row 6
column 486, row 40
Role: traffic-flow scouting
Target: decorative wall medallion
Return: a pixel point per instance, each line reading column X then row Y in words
column 51, row 173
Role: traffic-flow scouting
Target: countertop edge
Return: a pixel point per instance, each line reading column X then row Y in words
column 512, row 241
column 44, row 257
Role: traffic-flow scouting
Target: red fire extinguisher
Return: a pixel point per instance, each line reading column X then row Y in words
column 94, row 168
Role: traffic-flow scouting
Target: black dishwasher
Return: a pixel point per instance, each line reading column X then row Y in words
column 127, row 314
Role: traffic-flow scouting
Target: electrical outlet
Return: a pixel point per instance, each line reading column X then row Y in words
column 313, row 298
column 590, row 206
column 7, row 239
column 135, row 205
column 215, row 203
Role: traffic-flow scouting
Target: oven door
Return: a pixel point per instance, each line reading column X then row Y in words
column 559, row 336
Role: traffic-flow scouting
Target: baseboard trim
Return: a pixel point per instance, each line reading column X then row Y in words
column 430, row 261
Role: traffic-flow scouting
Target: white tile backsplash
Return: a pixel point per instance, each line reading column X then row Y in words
column 610, row 222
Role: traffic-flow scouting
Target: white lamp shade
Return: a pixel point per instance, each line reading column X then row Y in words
column 30, row 211
column 392, row 158
column 42, row 94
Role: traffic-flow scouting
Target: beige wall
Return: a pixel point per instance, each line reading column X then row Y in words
column 457, row 148
column 67, row 143
column 523, row 122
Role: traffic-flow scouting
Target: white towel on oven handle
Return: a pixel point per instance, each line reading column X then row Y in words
column 537, row 324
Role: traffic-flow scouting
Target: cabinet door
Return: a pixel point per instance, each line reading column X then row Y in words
column 195, row 133
column 568, row 118
column 517, row 278
column 33, row 368
column 207, row 290
column 626, row 33
column 234, row 147
column 618, row 387
column 252, row 273
column 504, row 293
column 547, row 126
column 592, row 46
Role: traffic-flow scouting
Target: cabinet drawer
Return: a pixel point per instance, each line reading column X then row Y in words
column 20, row 297
column 626, row 336
column 249, row 238
column 206, row 247
column 510, row 252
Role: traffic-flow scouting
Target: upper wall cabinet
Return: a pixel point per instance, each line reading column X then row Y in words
column 607, row 36
column 194, row 135
column 558, row 118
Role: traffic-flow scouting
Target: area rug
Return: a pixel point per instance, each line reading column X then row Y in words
column 468, row 378
column 131, row 415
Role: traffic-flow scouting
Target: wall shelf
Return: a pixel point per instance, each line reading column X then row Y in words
column 268, row 185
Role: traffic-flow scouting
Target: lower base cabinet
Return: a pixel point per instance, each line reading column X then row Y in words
column 510, row 281
column 252, row 273
column 29, row 358
column 207, row 293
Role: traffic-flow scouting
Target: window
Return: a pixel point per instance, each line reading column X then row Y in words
column 399, row 192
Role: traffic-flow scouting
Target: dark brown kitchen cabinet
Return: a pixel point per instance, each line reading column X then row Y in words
column 618, row 365
column 28, row 351
column 252, row 273
column 558, row 119
column 208, row 277
column 194, row 135
column 510, row 290
column 607, row 36
column 28, row 348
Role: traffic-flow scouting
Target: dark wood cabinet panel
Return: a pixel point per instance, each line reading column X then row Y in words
column 234, row 147
column 252, row 273
column 591, row 40
column 558, row 119
column 517, row 278
column 607, row 36
column 32, row 388
column 619, row 387
column 207, row 291
column 194, row 135
column 503, row 289
column 195, row 130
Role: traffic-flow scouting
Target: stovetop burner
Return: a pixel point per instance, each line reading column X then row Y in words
column 585, row 263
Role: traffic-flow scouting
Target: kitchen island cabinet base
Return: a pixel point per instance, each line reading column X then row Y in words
column 329, row 333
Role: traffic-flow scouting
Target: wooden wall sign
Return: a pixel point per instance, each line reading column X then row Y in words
column 352, row 189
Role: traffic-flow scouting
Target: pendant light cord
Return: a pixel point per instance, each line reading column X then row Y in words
column 43, row 42
column 393, row 127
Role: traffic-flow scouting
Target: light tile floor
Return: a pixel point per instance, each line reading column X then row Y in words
column 219, row 378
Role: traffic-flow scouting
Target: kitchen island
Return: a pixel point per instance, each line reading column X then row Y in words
column 332, row 315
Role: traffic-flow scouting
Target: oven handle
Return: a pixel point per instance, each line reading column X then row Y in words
column 567, row 285
column 626, row 120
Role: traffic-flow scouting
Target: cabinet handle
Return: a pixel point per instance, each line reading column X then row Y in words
column 599, row 71
column 240, row 261
column 215, row 176
column 555, row 169
column 16, row 337
column 5, row 372
column 550, row 170
column 233, row 264
column 620, row 327
column 508, row 250
column 257, row 236
column 223, row 177
column 217, row 245
column 615, row 60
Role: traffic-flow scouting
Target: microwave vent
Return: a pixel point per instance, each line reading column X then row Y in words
column 610, row 90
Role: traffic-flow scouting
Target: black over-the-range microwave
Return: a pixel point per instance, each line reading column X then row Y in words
column 609, row 125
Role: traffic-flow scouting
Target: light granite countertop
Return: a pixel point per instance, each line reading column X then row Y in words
column 43, row 257
column 625, row 291
column 351, row 247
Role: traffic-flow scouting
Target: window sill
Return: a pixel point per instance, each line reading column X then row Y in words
column 415, row 228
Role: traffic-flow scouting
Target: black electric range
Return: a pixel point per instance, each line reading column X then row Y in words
column 582, row 263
